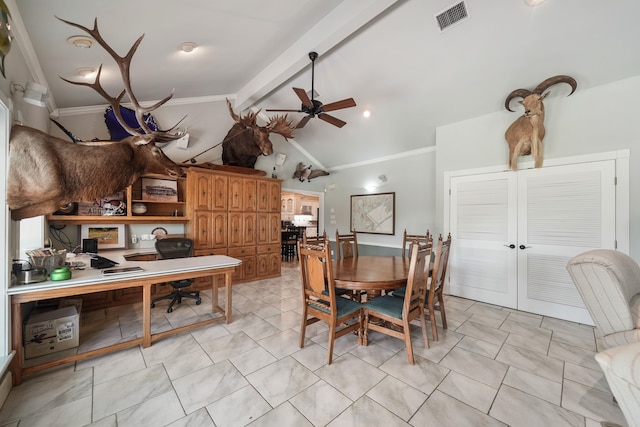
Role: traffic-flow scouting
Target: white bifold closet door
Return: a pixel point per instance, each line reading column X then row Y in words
column 516, row 231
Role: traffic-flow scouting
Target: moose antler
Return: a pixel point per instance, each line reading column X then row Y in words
column 124, row 64
column 280, row 125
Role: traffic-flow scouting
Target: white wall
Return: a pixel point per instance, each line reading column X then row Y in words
column 412, row 178
column 597, row 120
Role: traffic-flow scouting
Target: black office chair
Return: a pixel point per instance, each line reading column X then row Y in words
column 176, row 247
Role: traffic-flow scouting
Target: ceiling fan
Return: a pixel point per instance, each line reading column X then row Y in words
column 315, row 108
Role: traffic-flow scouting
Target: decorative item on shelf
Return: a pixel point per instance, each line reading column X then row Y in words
column 139, row 208
column 67, row 209
column 160, row 190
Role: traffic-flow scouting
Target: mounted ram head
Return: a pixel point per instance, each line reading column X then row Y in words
column 525, row 135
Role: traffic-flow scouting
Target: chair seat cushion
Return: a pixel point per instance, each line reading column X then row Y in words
column 345, row 307
column 388, row 305
column 399, row 292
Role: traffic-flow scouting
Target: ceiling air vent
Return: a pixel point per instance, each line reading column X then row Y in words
column 452, row 15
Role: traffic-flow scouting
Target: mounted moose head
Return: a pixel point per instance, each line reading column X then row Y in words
column 246, row 140
column 525, row 135
column 46, row 172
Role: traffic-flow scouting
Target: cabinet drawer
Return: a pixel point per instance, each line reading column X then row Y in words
column 242, row 251
column 269, row 249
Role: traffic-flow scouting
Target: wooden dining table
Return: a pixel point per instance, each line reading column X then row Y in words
column 371, row 273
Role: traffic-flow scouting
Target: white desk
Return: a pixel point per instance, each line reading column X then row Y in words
column 91, row 280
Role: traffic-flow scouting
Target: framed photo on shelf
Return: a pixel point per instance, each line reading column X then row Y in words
column 373, row 213
column 159, row 190
column 109, row 236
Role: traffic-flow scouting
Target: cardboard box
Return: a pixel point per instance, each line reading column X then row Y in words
column 51, row 331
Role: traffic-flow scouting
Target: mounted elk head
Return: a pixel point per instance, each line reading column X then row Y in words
column 46, row 172
column 246, row 140
column 525, row 135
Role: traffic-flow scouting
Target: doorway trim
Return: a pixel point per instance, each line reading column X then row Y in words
column 320, row 195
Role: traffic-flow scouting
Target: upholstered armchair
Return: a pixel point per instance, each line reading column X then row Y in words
column 621, row 366
column 609, row 283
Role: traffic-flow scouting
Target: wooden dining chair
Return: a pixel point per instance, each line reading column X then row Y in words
column 435, row 300
column 408, row 239
column 346, row 245
column 316, row 240
column 320, row 302
column 397, row 313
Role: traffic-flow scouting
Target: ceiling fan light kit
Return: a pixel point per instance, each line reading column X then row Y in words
column 314, row 108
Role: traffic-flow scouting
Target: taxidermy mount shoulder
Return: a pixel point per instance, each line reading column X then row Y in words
column 46, row 172
column 303, row 172
column 245, row 141
column 525, row 135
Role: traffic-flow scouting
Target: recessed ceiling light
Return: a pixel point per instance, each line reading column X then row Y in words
column 366, row 113
column 187, row 46
column 80, row 41
column 85, row 72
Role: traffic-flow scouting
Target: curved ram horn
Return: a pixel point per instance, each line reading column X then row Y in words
column 518, row 93
column 556, row 79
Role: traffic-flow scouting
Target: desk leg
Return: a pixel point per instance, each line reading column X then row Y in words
column 146, row 315
column 16, row 343
column 227, row 301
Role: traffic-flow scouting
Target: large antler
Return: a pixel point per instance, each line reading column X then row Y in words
column 124, row 64
column 276, row 124
column 280, row 125
column 546, row 84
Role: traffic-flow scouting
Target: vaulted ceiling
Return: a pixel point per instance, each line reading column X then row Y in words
column 389, row 55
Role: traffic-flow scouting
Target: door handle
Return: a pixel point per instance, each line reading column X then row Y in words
column 524, row 247
column 512, row 246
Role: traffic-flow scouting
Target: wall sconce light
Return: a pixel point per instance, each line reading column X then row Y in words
column 532, row 3
column 280, row 158
column 183, row 142
column 33, row 93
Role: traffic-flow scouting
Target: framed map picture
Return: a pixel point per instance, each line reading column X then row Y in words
column 373, row 213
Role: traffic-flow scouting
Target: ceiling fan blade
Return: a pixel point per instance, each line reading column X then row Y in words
column 302, row 94
column 338, row 105
column 288, row 111
column 303, row 122
column 333, row 120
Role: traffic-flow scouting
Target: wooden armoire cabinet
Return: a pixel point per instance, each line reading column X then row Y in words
column 235, row 215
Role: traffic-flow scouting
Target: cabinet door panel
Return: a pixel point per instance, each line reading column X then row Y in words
column 219, row 227
column 235, row 193
column 202, row 230
column 264, row 197
column 262, row 228
column 202, row 191
column 235, row 237
column 249, row 189
column 219, row 198
column 249, row 229
column 274, row 196
column 274, row 228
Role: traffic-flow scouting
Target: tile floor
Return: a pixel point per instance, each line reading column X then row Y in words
column 492, row 367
